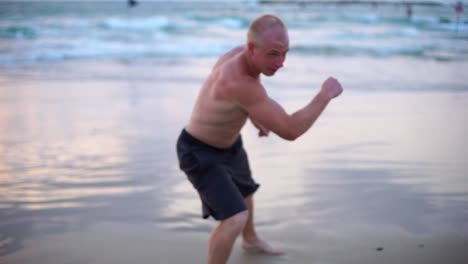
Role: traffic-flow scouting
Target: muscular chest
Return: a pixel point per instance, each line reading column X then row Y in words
column 215, row 106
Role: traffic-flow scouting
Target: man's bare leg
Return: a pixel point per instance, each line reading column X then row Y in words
column 223, row 237
column 251, row 242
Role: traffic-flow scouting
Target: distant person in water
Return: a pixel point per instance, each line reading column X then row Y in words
column 459, row 8
column 409, row 11
column 458, row 11
column 132, row 3
column 210, row 148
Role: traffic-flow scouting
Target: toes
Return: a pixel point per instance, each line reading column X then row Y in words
column 262, row 248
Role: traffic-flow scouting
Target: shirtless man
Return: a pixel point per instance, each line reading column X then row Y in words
column 210, row 147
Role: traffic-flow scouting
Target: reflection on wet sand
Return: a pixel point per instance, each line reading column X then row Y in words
column 97, row 164
column 72, row 156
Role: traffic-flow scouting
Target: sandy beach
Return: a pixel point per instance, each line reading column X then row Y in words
column 89, row 173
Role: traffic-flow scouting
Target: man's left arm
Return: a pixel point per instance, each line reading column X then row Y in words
column 262, row 131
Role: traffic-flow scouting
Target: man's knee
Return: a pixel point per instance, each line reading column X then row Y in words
column 238, row 221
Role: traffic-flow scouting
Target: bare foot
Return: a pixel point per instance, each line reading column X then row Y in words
column 260, row 246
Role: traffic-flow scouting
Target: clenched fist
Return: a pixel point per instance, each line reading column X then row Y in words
column 331, row 88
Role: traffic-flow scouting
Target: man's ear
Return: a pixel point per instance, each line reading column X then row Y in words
column 250, row 47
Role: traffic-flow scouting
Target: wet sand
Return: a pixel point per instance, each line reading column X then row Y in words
column 111, row 242
column 88, row 171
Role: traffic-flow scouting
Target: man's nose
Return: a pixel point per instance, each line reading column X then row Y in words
column 279, row 62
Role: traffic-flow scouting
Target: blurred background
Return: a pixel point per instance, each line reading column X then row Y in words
column 44, row 31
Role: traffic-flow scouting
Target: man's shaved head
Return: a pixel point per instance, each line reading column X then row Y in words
column 263, row 25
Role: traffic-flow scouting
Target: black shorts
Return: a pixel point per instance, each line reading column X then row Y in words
column 222, row 177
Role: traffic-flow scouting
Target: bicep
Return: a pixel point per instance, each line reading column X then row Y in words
column 271, row 115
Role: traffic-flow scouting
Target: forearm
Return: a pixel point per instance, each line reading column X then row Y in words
column 272, row 116
column 304, row 118
column 262, row 130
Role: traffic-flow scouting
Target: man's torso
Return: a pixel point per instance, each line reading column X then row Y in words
column 216, row 118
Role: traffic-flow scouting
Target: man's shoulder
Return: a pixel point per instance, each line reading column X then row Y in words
column 232, row 76
column 237, row 79
column 238, row 48
column 242, row 87
column 229, row 55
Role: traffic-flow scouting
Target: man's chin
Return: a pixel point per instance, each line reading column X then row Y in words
column 269, row 73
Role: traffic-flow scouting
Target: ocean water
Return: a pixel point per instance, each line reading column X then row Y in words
column 34, row 32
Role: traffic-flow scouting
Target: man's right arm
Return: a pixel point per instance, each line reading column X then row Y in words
column 271, row 115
